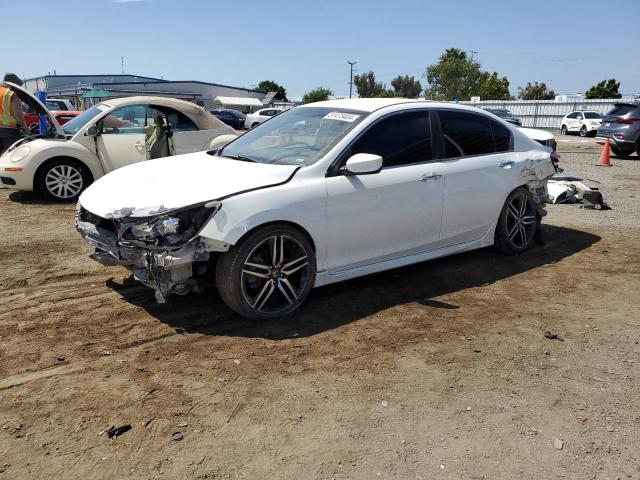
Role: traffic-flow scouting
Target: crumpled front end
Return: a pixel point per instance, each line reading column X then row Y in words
column 163, row 250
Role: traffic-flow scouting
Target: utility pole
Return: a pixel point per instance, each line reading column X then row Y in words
column 473, row 53
column 122, row 64
column 351, row 79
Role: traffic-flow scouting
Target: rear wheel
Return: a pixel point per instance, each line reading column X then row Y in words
column 564, row 130
column 583, row 131
column 622, row 153
column 254, row 125
column 63, row 180
column 269, row 274
column 518, row 222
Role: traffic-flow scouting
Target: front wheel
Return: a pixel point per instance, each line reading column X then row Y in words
column 583, row 131
column 269, row 274
column 518, row 222
column 63, row 180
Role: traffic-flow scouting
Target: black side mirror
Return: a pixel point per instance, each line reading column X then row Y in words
column 92, row 131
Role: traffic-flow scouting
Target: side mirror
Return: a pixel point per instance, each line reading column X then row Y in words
column 363, row 164
column 92, row 131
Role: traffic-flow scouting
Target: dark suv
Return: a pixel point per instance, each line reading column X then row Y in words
column 622, row 127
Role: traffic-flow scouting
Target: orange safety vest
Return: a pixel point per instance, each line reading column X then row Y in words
column 6, row 109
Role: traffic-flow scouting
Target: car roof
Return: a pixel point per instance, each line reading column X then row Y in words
column 373, row 104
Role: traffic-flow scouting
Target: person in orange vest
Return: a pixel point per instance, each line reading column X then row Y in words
column 11, row 115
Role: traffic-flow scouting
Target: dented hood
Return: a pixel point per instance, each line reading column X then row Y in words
column 168, row 183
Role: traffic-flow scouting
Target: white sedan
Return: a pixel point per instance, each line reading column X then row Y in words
column 107, row 136
column 254, row 119
column 366, row 185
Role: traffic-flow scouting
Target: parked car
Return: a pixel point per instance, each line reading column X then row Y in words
column 505, row 114
column 256, row 118
column 369, row 185
column 543, row 137
column 582, row 122
column 59, row 104
column 231, row 117
column 621, row 126
column 32, row 119
column 107, row 136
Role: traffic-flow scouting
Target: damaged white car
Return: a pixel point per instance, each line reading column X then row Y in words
column 66, row 159
column 321, row 193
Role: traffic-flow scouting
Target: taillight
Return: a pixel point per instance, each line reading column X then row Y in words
column 627, row 121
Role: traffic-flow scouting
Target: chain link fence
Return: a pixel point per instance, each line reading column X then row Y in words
column 545, row 114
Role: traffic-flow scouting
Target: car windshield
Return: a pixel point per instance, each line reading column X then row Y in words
column 72, row 126
column 592, row 115
column 299, row 136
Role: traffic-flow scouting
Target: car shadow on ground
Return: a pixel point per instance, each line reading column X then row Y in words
column 31, row 198
column 339, row 304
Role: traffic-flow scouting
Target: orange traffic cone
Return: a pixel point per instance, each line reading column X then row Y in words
column 604, row 161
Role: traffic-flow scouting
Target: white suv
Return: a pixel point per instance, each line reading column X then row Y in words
column 256, row 118
column 584, row 122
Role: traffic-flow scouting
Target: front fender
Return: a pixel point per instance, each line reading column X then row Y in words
column 43, row 150
column 301, row 203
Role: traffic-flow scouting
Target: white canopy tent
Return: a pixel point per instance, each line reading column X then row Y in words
column 242, row 102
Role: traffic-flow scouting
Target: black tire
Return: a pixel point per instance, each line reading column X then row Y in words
column 518, row 222
column 638, row 148
column 583, row 131
column 63, row 179
column 254, row 125
column 621, row 153
column 563, row 130
column 253, row 280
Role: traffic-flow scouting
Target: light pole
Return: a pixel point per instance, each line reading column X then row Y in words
column 351, row 64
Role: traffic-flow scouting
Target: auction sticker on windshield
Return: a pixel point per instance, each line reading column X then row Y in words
column 343, row 117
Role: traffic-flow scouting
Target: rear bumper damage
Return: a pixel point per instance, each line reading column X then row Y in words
column 168, row 270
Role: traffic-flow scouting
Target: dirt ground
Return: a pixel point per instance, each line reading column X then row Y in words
column 436, row 371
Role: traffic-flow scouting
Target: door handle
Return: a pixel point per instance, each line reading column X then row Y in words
column 138, row 145
column 506, row 164
column 430, row 176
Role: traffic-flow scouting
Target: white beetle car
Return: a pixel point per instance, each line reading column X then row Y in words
column 369, row 185
column 107, row 136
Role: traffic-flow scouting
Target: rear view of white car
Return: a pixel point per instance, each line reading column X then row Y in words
column 582, row 122
column 256, row 118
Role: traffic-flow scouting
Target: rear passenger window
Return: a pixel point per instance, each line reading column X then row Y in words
column 400, row 139
column 465, row 134
column 501, row 137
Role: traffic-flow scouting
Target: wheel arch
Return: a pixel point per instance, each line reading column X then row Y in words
column 48, row 161
column 289, row 223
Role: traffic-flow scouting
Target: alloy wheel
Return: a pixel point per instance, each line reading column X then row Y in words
column 64, row 181
column 521, row 220
column 275, row 274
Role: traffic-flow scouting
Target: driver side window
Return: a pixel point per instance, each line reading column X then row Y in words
column 130, row 119
column 400, row 139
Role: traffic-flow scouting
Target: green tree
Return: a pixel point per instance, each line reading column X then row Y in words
column 455, row 76
column 605, row 89
column 406, row 86
column 367, row 86
column 387, row 93
column 493, row 88
column 271, row 86
column 536, row 91
column 317, row 95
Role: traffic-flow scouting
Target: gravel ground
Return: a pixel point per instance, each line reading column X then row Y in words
column 436, row 371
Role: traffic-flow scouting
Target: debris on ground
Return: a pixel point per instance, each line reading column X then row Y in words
column 115, row 432
column 558, row 444
column 571, row 189
column 553, row 336
column 177, row 436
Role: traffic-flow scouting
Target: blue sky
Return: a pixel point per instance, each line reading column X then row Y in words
column 303, row 44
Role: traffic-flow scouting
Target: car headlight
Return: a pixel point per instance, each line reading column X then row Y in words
column 175, row 228
column 20, row 153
